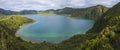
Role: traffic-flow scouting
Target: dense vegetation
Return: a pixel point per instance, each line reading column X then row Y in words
column 105, row 35
column 8, row 27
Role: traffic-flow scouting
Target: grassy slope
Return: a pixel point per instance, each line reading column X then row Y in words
column 8, row 27
column 90, row 12
column 8, row 40
column 109, row 27
column 103, row 36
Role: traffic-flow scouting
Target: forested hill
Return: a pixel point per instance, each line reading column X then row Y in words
column 90, row 12
column 108, row 30
column 8, row 27
column 110, row 18
column 105, row 34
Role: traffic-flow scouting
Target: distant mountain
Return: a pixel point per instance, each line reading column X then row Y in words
column 7, row 12
column 28, row 12
column 90, row 12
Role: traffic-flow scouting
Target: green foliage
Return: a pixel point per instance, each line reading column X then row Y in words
column 101, row 42
column 8, row 27
column 105, row 35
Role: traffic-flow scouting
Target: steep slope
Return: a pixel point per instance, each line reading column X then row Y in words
column 105, row 34
column 90, row 12
column 8, row 27
column 108, row 27
column 110, row 18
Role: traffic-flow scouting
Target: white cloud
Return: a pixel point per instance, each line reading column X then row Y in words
column 52, row 4
column 77, row 3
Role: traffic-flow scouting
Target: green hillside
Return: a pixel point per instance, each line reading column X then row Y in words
column 103, row 36
column 8, row 27
column 108, row 27
column 90, row 12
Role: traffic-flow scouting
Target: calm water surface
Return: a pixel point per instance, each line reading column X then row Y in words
column 53, row 28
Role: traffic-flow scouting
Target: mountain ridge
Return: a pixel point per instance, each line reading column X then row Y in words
column 89, row 12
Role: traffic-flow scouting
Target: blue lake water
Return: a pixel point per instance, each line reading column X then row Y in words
column 53, row 28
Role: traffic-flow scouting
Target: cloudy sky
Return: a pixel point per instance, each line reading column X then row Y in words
column 17, row 5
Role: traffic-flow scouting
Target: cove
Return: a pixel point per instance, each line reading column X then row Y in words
column 53, row 28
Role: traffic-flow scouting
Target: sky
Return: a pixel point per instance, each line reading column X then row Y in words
column 18, row 5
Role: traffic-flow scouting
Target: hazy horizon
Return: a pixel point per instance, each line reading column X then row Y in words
column 18, row 5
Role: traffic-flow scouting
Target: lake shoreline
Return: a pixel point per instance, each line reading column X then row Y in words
column 16, row 34
column 69, row 23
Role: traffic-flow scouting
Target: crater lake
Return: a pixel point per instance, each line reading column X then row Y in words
column 53, row 28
